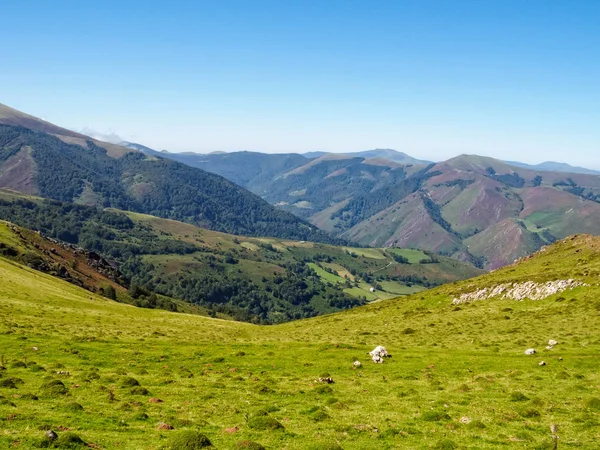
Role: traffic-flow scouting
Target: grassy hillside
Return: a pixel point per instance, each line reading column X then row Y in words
column 252, row 279
column 458, row 378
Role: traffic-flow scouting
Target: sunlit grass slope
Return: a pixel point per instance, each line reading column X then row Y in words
column 458, row 377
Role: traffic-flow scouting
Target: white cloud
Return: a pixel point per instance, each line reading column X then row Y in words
column 109, row 136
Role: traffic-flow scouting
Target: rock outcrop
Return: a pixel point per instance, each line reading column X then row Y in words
column 520, row 291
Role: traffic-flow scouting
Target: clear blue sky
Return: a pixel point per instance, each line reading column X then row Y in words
column 510, row 79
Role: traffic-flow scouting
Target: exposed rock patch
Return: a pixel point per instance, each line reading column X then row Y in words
column 520, row 291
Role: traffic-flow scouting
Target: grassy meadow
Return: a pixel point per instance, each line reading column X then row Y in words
column 121, row 377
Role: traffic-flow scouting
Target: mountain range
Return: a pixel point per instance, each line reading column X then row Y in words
column 474, row 208
column 42, row 159
column 477, row 209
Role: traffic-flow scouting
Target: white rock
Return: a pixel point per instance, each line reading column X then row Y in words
column 552, row 343
column 465, row 420
column 542, row 363
column 356, row 364
column 548, row 347
column 530, row 351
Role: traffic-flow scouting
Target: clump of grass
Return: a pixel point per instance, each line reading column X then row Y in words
column 29, row 396
column 249, row 445
column 323, row 390
column 593, row 403
column 325, row 446
column 476, row 424
column 129, row 382
column 140, row 416
column 188, row 440
column 19, row 365
column 139, row 390
column 73, row 406
column 263, row 389
column 54, row 387
column 530, row 413
column 445, row 444
column 518, row 397
column 11, row 383
column 319, row 416
column 434, row 416
column 69, row 440
column 6, row 402
column 263, row 423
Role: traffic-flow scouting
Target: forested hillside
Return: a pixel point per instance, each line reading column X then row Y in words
column 262, row 280
column 39, row 163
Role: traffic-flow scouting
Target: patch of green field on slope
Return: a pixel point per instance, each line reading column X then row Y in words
column 238, row 382
column 412, row 255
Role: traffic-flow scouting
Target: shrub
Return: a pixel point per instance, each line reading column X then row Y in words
column 189, row 440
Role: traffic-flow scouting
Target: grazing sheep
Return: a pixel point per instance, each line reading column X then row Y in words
column 378, row 354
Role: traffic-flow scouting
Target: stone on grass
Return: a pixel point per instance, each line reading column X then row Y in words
column 465, row 420
column 51, row 435
column 552, row 342
column 542, row 363
column 530, row 351
column 356, row 364
column 164, row 426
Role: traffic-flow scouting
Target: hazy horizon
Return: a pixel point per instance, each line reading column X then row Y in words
column 510, row 80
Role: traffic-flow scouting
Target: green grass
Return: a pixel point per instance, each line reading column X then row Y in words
column 413, row 256
column 372, row 253
column 233, row 382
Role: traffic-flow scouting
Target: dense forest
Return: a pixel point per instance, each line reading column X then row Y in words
column 293, row 293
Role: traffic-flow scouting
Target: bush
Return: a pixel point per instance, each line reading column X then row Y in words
column 189, row 440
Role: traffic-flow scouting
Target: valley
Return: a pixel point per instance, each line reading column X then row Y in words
column 264, row 280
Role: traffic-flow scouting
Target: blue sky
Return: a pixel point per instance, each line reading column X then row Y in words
column 510, row 79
